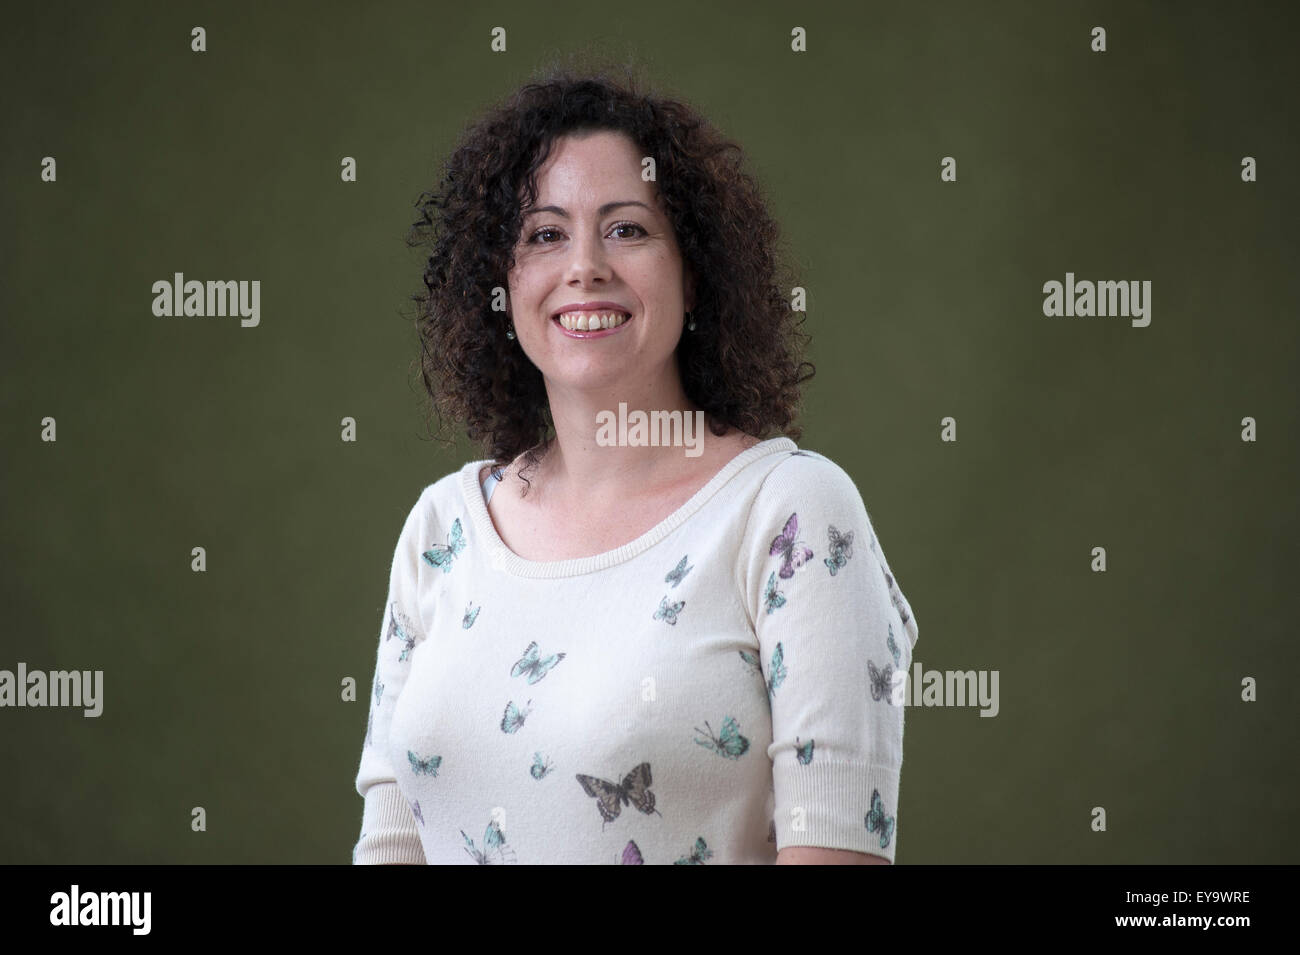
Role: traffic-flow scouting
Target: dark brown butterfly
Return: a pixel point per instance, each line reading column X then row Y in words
column 610, row 798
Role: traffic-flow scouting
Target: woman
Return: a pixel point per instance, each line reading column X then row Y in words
column 614, row 644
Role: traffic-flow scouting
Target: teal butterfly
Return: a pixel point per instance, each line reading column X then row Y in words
column 776, row 672
column 893, row 647
column 494, row 846
column 668, row 612
column 468, row 620
column 440, row 556
column 729, row 743
column 514, row 717
column 773, row 599
column 400, row 626
column 677, row 573
column 428, row 767
column 610, row 797
column 539, row 768
column 535, row 668
column 804, row 751
column 841, row 549
column 877, row 821
column 699, row 853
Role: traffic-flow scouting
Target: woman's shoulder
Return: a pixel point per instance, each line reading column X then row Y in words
column 802, row 487
column 806, row 472
column 441, row 496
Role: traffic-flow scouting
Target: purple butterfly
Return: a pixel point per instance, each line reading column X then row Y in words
column 793, row 553
column 632, row 855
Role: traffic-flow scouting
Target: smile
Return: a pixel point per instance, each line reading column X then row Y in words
column 591, row 324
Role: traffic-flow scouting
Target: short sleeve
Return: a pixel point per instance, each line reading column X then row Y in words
column 388, row 827
column 836, row 636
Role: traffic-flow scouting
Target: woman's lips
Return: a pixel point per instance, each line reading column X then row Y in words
column 598, row 333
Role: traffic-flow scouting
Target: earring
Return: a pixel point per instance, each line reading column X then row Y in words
column 510, row 332
column 691, row 326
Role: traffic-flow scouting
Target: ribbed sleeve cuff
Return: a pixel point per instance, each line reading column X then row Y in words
column 388, row 834
column 829, row 805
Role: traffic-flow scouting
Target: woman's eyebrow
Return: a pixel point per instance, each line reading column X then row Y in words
column 604, row 210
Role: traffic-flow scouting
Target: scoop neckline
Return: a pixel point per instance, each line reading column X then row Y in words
column 503, row 558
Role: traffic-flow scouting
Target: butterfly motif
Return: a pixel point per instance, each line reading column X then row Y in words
column 668, row 612
column 428, row 767
column 539, row 768
column 440, row 556
column 729, row 743
column 776, row 672
column 841, row 549
column 893, row 647
column 773, row 599
column 792, row 552
column 752, row 661
column 514, row 717
column 535, row 668
column 632, row 855
column 494, row 846
column 881, row 681
column 896, row 598
column 470, row 616
column 877, row 821
column 699, row 852
column 804, row 751
column 677, row 573
column 400, row 626
column 379, row 691
column 635, row 789
column 415, row 808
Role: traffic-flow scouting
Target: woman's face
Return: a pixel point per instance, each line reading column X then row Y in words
column 584, row 243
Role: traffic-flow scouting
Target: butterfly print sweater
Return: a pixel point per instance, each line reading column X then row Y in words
column 724, row 686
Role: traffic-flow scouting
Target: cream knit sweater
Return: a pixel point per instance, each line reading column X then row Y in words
column 713, row 691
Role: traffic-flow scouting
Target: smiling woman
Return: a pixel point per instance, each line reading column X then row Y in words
column 660, row 654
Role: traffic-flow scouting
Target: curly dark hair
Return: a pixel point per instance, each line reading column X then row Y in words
column 743, row 365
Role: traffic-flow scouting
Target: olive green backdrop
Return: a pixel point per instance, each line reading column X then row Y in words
column 222, row 689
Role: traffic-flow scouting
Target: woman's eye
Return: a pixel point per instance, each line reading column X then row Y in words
column 537, row 236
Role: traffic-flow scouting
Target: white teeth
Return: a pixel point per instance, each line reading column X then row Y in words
column 591, row 321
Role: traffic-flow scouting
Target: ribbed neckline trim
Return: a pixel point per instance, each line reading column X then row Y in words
column 505, row 559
